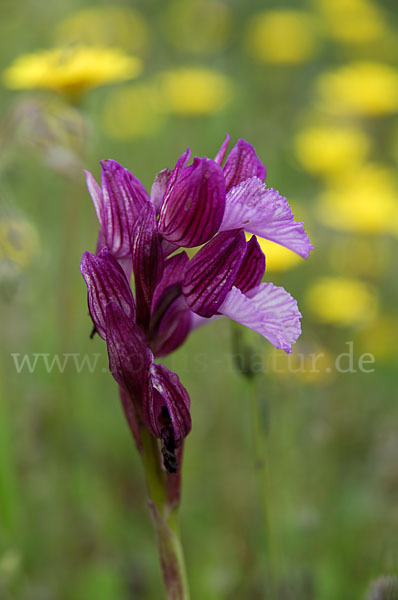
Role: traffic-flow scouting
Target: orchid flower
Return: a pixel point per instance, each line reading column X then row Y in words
column 209, row 204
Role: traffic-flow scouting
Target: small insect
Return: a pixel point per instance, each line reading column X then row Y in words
column 170, row 461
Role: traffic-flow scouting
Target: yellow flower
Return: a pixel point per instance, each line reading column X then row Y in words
column 281, row 37
column 309, row 363
column 194, row 91
column 352, row 21
column 362, row 201
column 71, row 70
column 380, row 338
column 326, row 149
column 19, row 242
column 367, row 257
column 341, row 301
column 116, row 26
column 132, row 112
column 359, row 88
column 278, row 258
column 197, row 26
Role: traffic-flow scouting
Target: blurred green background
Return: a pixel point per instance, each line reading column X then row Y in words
column 291, row 478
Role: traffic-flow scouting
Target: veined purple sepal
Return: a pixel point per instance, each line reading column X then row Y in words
column 267, row 309
column 147, row 261
column 262, row 211
column 166, row 409
column 242, row 163
column 129, row 357
column 105, row 282
column 212, row 271
column 125, row 263
column 219, row 157
column 176, row 172
column 252, row 268
column 97, row 198
column 124, row 197
column 159, row 187
column 101, row 243
column 192, row 211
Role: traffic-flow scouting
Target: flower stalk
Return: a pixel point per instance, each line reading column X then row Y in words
column 163, row 500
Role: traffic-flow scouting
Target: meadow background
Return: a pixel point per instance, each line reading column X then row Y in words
column 290, row 479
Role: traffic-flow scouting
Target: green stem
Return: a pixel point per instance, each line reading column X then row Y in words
column 165, row 518
column 245, row 360
column 263, row 480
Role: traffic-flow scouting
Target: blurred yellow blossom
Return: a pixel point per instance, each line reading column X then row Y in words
column 132, row 111
column 281, row 36
column 194, row 91
column 19, row 242
column 278, row 258
column 359, row 88
column 364, row 200
column 311, row 364
column 197, row 26
column 367, row 257
column 380, row 337
column 71, row 70
column 341, row 301
column 352, row 21
column 118, row 26
column 326, row 149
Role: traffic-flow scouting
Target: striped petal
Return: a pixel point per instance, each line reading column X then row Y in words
column 105, row 282
column 252, row 268
column 262, row 211
column 219, row 157
column 192, row 211
column 147, row 261
column 124, row 197
column 159, row 187
column 212, row 271
column 129, row 358
column 242, row 163
column 96, row 196
column 267, row 309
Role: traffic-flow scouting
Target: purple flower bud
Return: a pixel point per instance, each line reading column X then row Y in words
column 166, row 407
